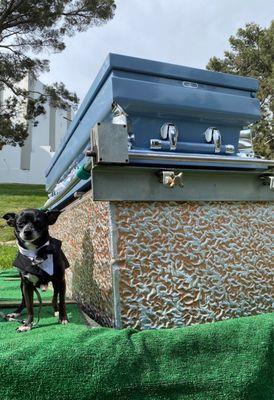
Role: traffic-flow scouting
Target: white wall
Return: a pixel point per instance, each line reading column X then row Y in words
column 39, row 147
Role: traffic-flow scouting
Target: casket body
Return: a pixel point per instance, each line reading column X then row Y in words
column 175, row 225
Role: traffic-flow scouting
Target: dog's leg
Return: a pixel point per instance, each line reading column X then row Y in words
column 17, row 313
column 28, row 295
column 55, row 299
column 20, row 308
column 63, row 319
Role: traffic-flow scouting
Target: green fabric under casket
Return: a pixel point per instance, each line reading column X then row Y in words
column 230, row 360
column 9, row 286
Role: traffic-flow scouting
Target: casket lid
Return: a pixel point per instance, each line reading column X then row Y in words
column 116, row 62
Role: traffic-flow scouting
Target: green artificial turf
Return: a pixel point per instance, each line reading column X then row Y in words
column 9, row 287
column 230, row 360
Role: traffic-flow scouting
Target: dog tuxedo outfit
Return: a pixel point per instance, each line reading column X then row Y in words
column 40, row 265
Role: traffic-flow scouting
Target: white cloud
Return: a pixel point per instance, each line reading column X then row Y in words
column 179, row 31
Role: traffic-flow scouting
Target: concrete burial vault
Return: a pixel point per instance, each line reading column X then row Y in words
column 168, row 214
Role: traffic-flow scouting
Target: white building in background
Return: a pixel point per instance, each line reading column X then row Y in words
column 27, row 164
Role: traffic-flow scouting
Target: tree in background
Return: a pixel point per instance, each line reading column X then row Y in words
column 27, row 28
column 252, row 54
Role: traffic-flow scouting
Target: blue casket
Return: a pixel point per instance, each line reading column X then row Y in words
column 142, row 120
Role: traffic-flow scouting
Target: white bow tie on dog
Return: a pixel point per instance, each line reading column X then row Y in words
column 46, row 265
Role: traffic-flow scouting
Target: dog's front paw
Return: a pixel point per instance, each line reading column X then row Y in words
column 12, row 316
column 63, row 321
column 24, row 328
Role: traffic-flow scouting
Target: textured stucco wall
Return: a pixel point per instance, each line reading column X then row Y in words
column 184, row 263
column 165, row 264
column 84, row 229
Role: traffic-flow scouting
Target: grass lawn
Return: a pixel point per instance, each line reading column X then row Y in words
column 7, row 255
column 15, row 197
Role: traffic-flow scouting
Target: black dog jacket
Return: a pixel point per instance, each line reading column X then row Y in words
column 34, row 265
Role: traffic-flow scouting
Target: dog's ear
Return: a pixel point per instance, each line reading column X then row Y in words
column 52, row 216
column 10, row 218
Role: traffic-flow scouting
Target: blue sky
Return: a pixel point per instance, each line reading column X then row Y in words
column 185, row 32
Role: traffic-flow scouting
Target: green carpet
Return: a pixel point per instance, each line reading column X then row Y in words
column 230, row 360
column 9, row 283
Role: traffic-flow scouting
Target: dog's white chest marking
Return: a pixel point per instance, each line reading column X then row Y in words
column 46, row 265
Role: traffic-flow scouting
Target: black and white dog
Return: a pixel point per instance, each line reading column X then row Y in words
column 40, row 260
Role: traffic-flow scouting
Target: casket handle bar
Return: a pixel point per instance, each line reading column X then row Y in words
column 169, row 134
column 207, row 148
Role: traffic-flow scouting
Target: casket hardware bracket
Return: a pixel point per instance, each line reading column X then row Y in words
column 170, row 179
column 79, row 195
column 90, row 153
column 268, row 179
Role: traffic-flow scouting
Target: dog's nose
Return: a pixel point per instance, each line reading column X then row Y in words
column 27, row 231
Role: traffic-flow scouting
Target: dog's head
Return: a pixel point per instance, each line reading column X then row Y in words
column 31, row 224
